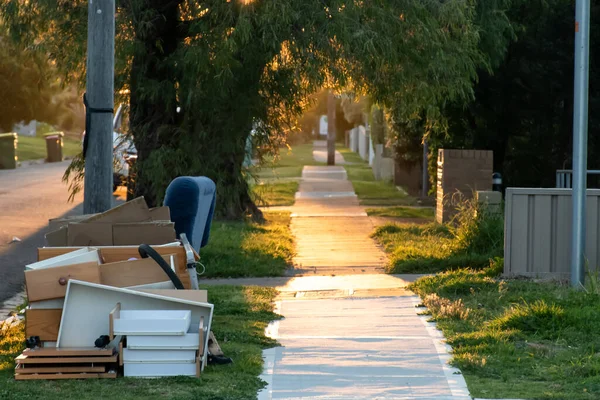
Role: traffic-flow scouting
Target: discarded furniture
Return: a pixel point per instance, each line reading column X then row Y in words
column 191, row 201
column 86, row 303
column 81, row 363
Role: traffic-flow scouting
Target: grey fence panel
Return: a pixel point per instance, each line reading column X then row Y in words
column 537, row 232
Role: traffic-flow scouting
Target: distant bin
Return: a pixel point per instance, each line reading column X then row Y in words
column 8, row 150
column 54, row 146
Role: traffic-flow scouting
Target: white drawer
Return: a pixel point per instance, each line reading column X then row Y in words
column 189, row 341
column 150, row 370
column 159, row 356
column 152, row 322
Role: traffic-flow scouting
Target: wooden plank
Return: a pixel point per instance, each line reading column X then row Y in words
column 114, row 314
column 68, row 352
column 33, row 377
column 24, row 359
column 21, row 369
column 121, row 253
column 51, row 283
column 43, row 323
column 133, row 273
column 200, row 348
column 201, row 337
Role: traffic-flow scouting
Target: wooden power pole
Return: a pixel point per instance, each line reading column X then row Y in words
column 330, row 129
column 98, row 184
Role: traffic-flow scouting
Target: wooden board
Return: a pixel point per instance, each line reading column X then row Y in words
column 24, row 359
column 122, row 253
column 33, row 377
column 114, row 314
column 21, row 369
column 133, row 273
column 43, row 323
column 68, row 352
column 51, row 283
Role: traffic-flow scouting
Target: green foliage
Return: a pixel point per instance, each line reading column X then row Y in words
column 234, row 66
column 244, row 249
column 473, row 239
column 519, row 339
column 241, row 315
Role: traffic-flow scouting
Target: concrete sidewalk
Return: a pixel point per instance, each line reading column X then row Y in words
column 354, row 334
column 332, row 230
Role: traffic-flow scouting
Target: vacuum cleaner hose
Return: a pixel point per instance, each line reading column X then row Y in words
column 147, row 251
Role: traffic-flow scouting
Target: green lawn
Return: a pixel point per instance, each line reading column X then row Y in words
column 275, row 193
column 276, row 182
column 369, row 191
column 427, row 248
column 474, row 237
column 288, row 164
column 402, row 212
column 517, row 338
column 34, row 148
column 349, row 155
column 243, row 249
column 241, row 315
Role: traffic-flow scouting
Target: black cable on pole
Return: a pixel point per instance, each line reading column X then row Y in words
column 88, row 117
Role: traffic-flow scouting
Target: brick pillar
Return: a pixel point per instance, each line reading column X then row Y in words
column 464, row 172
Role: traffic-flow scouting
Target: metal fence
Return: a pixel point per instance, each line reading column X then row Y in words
column 564, row 177
column 537, row 233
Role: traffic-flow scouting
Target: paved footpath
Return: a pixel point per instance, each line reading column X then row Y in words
column 349, row 331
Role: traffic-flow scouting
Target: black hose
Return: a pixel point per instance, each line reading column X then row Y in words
column 147, row 251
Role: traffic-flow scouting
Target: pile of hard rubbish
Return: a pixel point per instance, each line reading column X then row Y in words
column 116, row 293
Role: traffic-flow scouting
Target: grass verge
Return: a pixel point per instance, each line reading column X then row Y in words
column 471, row 240
column 401, row 212
column 34, row 148
column 515, row 338
column 245, row 249
column 276, row 182
column 277, row 193
column 369, row 191
column 240, row 317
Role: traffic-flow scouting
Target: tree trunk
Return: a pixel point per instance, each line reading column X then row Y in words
column 152, row 116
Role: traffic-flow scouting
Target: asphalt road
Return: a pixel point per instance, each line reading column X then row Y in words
column 29, row 197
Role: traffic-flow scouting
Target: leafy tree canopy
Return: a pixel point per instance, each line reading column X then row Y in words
column 231, row 64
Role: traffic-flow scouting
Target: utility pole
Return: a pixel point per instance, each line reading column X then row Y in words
column 580, row 137
column 330, row 129
column 98, row 183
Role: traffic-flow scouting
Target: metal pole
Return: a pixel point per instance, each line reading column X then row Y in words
column 330, row 129
column 580, row 128
column 98, row 183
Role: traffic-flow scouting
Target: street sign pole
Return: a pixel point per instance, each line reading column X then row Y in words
column 98, row 181
column 580, row 133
